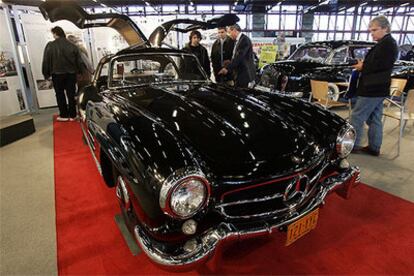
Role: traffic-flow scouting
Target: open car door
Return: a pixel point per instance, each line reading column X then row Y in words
column 187, row 25
column 69, row 10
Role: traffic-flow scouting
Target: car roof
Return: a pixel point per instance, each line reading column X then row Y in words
column 338, row 43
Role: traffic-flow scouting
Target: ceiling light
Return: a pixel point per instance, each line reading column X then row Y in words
column 103, row 5
column 405, row 4
column 363, row 4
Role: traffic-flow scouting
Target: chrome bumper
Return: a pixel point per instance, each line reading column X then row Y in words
column 210, row 239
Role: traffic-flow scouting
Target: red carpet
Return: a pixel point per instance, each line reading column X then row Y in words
column 371, row 233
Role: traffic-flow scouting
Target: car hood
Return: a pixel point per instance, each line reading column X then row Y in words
column 233, row 132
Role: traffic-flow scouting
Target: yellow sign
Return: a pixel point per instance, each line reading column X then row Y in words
column 268, row 54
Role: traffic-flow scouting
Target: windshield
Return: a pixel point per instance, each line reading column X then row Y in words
column 144, row 69
column 315, row 54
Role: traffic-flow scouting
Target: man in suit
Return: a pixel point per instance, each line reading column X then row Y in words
column 242, row 63
column 221, row 54
column 374, row 86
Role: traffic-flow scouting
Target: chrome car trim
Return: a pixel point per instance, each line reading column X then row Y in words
column 211, row 239
column 91, row 148
column 340, row 138
column 254, row 200
column 175, row 179
column 277, row 195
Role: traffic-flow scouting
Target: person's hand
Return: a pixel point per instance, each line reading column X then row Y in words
column 359, row 65
column 223, row 71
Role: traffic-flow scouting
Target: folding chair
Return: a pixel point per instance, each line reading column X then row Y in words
column 320, row 94
column 397, row 88
column 404, row 112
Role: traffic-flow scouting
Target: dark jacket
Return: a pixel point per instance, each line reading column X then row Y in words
column 60, row 57
column 201, row 53
column 228, row 46
column 242, row 65
column 376, row 71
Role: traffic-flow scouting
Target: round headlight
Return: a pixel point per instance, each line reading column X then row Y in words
column 184, row 193
column 345, row 141
column 188, row 197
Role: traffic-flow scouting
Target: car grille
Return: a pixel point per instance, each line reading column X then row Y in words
column 276, row 197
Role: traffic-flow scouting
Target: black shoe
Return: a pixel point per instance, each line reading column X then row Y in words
column 357, row 150
column 366, row 150
column 370, row 151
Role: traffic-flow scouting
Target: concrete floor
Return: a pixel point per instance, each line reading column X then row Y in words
column 27, row 200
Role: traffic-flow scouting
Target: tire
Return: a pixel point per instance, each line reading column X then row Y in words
column 333, row 92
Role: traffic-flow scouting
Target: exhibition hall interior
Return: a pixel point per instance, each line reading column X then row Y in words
column 206, row 137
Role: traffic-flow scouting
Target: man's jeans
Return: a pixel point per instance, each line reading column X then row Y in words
column 368, row 110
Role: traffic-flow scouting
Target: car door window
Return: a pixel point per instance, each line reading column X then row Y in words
column 101, row 75
column 339, row 56
column 359, row 52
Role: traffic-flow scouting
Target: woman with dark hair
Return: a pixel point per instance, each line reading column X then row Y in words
column 194, row 47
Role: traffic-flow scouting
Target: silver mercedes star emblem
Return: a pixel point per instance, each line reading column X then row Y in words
column 296, row 191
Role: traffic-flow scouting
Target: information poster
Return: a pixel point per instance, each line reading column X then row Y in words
column 268, row 54
column 11, row 97
column 38, row 34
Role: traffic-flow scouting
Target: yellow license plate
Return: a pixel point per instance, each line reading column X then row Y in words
column 301, row 227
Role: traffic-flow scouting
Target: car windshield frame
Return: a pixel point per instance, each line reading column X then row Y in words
column 132, row 55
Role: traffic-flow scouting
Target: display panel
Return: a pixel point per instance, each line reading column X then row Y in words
column 11, row 97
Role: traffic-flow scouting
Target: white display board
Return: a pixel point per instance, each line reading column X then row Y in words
column 38, row 34
column 11, row 97
column 105, row 41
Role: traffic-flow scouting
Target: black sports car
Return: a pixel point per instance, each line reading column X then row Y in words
column 324, row 60
column 194, row 163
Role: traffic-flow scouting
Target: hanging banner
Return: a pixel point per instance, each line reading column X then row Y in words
column 11, row 98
